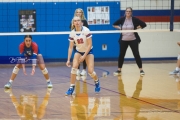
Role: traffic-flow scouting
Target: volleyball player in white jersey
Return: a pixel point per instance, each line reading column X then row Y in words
column 84, row 51
column 79, row 12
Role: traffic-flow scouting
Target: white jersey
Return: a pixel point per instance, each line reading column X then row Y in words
column 80, row 39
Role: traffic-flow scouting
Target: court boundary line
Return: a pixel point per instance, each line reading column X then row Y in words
column 176, row 111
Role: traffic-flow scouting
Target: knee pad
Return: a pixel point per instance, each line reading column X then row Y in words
column 93, row 74
column 178, row 57
column 74, row 70
column 45, row 71
column 15, row 70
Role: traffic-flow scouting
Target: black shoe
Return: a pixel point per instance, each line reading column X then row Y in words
column 117, row 73
column 142, row 72
column 175, row 72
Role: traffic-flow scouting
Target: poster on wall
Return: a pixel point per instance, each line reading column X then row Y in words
column 98, row 15
column 27, row 20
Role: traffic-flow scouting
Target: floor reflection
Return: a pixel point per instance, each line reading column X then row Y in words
column 85, row 107
column 129, row 106
column 27, row 106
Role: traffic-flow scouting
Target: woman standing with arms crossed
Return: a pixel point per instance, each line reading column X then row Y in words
column 132, row 39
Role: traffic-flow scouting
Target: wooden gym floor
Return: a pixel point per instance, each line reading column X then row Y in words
column 156, row 96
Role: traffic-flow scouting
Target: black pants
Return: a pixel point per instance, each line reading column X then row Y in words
column 134, row 45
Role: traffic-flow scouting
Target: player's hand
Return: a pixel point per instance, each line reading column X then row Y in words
column 33, row 70
column 139, row 27
column 68, row 64
column 81, row 59
column 24, row 69
column 178, row 43
column 26, row 59
column 117, row 27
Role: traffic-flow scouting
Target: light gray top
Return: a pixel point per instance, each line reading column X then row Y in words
column 128, row 25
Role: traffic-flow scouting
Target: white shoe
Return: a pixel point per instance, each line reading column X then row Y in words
column 174, row 72
column 78, row 72
column 83, row 73
column 49, row 84
column 8, row 85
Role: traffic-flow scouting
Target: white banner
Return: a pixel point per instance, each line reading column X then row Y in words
column 98, row 15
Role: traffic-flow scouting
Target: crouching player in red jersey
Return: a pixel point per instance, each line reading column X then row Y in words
column 29, row 52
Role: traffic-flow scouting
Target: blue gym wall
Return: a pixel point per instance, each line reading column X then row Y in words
column 52, row 17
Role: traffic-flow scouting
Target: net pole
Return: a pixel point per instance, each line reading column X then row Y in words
column 172, row 16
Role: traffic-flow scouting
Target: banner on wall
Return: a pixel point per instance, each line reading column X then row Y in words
column 27, row 20
column 98, row 15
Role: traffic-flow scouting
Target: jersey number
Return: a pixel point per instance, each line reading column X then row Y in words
column 80, row 41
